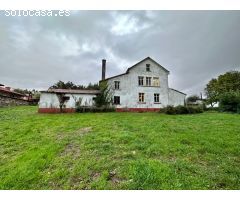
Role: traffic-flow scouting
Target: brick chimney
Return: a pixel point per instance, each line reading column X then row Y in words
column 103, row 69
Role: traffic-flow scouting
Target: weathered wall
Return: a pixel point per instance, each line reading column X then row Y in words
column 49, row 102
column 129, row 88
column 8, row 101
column 176, row 98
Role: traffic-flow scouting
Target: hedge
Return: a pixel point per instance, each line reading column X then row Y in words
column 179, row 110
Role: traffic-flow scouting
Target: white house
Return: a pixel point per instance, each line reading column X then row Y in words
column 143, row 87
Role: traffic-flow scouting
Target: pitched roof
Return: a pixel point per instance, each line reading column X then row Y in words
column 177, row 91
column 71, row 91
column 147, row 58
column 4, row 90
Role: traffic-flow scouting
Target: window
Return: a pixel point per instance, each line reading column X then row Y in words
column 141, row 97
column 65, row 98
column 148, row 67
column 156, row 81
column 116, row 85
column 148, row 81
column 140, row 80
column 156, row 98
column 116, row 100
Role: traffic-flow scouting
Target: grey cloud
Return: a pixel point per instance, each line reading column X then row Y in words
column 194, row 46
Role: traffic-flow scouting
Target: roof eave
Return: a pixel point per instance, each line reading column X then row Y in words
column 177, row 91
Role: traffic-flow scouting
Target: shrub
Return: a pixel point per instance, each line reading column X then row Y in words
column 162, row 110
column 178, row 110
column 191, row 110
column 170, row 110
column 230, row 102
column 181, row 109
column 212, row 109
column 199, row 109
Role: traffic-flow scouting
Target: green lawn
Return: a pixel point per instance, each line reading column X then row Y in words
column 118, row 150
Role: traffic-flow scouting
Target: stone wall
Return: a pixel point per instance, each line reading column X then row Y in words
column 10, row 101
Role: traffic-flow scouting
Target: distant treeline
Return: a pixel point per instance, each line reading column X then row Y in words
column 71, row 85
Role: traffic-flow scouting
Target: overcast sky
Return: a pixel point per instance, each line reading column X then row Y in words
column 195, row 46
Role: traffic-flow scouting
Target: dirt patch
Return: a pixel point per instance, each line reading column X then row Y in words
column 71, row 150
column 95, row 175
column 60, row 136
column 114, row 178
column 75, row 181
column 83, row 131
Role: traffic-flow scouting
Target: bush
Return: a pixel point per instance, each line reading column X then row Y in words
column 230, row 102
column 179, row 110
column 85, row 109
column 170, row 110
column 212, row 109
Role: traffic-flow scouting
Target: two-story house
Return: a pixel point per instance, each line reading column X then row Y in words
column 144, row 87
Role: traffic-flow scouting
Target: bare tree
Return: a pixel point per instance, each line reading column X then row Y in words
column 62, row 99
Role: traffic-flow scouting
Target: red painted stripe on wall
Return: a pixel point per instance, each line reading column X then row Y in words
column 137, row 109
column 56, row 110
column 72, row 110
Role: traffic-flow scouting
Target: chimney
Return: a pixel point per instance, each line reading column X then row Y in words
column 103, row 69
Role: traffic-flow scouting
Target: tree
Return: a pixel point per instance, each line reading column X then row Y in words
column 105, row 96
column 70, row 85
column 192, row 98
column 230, row 102
column 211, row 92
column 33, row 93
column 21, row 91
column 93, row 86
column 62, row 99
column 228, row 82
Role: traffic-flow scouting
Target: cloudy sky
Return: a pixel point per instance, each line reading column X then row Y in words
column 195, row 46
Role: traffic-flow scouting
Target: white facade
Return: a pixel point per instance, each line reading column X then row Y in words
column 50, row 100
column 129, row 91
column 129, row 88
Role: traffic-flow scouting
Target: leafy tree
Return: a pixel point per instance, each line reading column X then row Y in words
column 22, row 91
column 70, row 85
column 105, row 96
column 192, row 98
column 34, row 93
column 228, row 82
column 230, row 102
column 94, row 86
column 211, row 92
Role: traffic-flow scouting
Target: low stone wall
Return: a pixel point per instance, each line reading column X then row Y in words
column 9, row 101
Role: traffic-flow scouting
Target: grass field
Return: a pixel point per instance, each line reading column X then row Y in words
column 118, row 150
